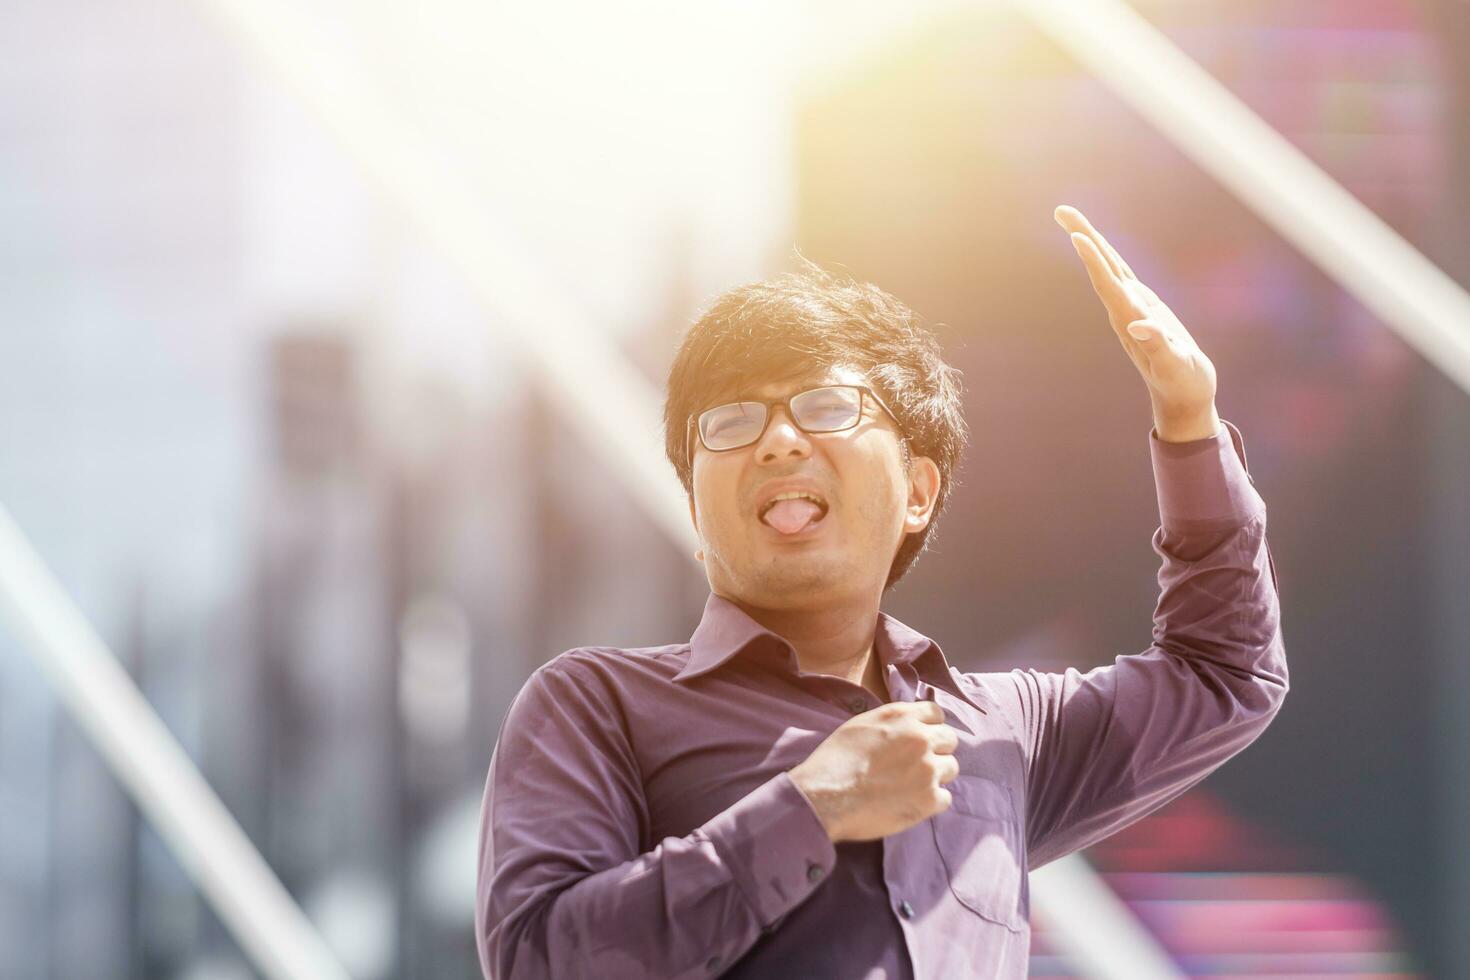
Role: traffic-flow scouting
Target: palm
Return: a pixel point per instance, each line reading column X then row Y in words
column 1180, row 378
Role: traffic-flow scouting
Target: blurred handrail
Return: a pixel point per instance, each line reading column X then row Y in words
column 170, row 791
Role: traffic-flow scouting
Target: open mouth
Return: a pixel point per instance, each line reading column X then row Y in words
column 793, row 511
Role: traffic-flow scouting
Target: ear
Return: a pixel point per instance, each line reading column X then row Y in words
column 694, row 519
column 924, row 485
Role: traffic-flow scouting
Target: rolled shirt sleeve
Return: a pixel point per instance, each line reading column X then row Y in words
column 1106, row 747
column 564, row 887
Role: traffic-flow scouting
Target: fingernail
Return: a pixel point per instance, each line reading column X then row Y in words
column 1137, row 332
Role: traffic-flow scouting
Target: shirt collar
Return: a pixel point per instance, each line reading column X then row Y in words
column 726, row 630
column 899, row 644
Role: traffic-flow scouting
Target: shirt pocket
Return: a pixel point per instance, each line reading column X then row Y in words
column 979, row 840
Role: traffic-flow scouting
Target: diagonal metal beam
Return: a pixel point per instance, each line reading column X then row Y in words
column 155, row 770
column 1094, row 928
column 582, row 369
column 1278, row 182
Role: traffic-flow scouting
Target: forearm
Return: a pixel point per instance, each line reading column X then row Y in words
column 1218, row 601
column 687, row 908
column 1113, row 744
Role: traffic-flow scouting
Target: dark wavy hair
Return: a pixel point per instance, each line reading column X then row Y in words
column 799, row 324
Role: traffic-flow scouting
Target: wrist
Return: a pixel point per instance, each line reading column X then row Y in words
column 824, row 802
column 1186, row 426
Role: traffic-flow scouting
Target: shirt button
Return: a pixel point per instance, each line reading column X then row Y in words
column 905, row 909
column 713, row 963
column 814, row 873
column 857, row 705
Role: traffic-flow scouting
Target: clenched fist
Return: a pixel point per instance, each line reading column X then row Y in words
column 881, row 772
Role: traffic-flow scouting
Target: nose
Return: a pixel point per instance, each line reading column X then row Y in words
column 782, row 439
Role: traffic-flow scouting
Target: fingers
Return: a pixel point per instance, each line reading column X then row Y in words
column 943, row 740
column 1075, row 221
column 928, row 711
column 1154, row 337
column 1146, row 332
column 948, row 768
column 1109, row 287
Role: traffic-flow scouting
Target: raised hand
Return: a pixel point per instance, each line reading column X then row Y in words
column 1180, row 378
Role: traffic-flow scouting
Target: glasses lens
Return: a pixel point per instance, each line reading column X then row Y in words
column 828, row 409
column 732, row 425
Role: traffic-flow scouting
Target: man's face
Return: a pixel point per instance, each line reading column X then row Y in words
column 871, row 501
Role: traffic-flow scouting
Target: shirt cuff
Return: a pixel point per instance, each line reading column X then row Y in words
column 1204, row 482
column 775, row 846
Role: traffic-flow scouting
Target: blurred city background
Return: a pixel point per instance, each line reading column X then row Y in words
column 330, row 512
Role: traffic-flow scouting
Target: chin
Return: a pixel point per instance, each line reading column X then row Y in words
column 792, row 579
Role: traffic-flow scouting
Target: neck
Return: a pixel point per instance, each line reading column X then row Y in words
column 836, row 639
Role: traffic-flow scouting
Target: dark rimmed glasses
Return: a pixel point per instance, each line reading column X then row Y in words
column 830, row 408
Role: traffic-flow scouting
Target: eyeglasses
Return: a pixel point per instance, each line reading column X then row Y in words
column 830, row 408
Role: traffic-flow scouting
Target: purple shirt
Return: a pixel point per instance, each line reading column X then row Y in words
column 639, row 820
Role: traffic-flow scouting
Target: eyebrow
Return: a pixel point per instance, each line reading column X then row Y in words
column 785, row 389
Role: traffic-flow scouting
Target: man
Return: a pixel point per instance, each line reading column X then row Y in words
column 806, row 788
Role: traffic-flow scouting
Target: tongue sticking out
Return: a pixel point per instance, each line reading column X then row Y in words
column 790, row 516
